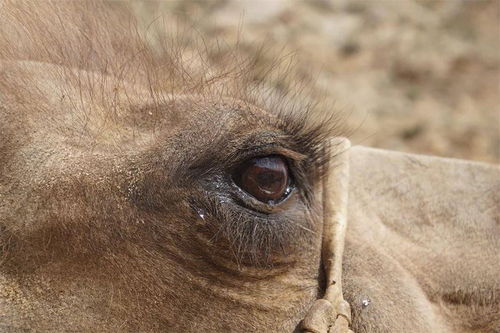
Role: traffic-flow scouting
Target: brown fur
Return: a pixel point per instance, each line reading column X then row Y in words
column 110, row 148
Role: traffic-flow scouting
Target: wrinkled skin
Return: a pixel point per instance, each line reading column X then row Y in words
column 118, row 212
column 422, row 243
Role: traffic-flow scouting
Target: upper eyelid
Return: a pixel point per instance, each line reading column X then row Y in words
column 272, row 150
column 275, row 147
column 276, row 144
column 291, row 154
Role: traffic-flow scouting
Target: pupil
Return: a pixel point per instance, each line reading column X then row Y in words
column 270, row 179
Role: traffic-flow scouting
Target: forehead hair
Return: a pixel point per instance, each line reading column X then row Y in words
column 110, row 73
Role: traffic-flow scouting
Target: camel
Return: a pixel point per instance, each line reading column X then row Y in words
column 136, row 196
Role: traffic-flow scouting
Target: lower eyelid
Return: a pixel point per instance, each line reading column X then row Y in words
column 249, row 202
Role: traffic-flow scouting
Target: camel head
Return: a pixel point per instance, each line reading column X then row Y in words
column 136, row 197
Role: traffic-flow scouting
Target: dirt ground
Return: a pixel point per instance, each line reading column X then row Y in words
column 417, row 76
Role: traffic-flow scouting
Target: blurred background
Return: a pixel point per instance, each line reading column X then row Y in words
column 419, row 76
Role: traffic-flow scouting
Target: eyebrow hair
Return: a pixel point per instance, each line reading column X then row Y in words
column 84, row 45
column 37, row 32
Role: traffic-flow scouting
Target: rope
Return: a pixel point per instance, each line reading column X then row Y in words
column 332, row 314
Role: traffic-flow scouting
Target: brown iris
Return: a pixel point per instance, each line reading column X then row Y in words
column 266, row 178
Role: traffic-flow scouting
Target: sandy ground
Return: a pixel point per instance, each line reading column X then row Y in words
column 416, row 76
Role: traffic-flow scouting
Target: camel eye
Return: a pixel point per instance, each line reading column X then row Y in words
column 265, row 178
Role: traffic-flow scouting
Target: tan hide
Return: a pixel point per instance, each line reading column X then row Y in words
column 422, row 243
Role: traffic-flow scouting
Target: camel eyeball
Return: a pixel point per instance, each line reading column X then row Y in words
column 265, row 178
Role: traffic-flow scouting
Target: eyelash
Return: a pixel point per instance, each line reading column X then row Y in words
column 254, row 237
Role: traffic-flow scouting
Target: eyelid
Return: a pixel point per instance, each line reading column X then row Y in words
column 268, row 143
column 287, row 153
column 291, row 154
column 253, row 205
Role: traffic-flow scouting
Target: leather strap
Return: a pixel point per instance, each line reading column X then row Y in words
column 332, row 314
